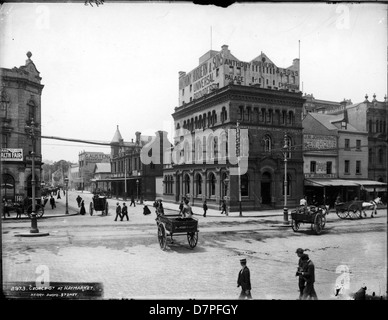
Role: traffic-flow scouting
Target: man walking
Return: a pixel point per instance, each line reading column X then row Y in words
column 309, row 275
column 223, row 207
column 52, row 202
column 124, row 212
column 244, row 280
column 132, row 201
column 118, row 211
column 204, row 208
column 301, row 263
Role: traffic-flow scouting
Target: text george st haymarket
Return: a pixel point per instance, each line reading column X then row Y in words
column 197, row 309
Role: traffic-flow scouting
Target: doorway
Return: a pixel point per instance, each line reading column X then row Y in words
column 266, row 188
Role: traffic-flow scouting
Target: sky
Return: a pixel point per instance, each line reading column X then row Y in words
column 117, row 64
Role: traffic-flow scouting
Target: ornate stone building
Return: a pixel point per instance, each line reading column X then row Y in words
column 21, row 91
column 265, row 100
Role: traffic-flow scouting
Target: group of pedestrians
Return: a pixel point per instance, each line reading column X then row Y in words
column 305, row 274
column 121, row 212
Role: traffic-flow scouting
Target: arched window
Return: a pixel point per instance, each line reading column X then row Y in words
column 178, row 126
column 241, row 113
column 198, row 151
column 291, row 118
column 284, row 117
column 204, row 120
column 370, row 126
column 196, row 123
column 31, row 109
column 223, row 145
column 198, row 184
column 225, row 184
column 267, row 143
column 377, row 126
column 187, row 184
column 8, row 187
column 187, row 152
column 245, row 185
column 212, row 184
column 200, row 124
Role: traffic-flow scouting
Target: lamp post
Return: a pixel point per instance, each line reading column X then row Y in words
column 285, row 210
column 34, row 221
column 226, row 182
column 137, row 188
column 67, row 195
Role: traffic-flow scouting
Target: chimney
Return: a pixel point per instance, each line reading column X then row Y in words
column 224, row 47
column 137, row 133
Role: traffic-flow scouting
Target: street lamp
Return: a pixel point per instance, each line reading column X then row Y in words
column 238, row 160
column 34, row 221
column 137, row 187
column 226, row 182
column 285, row 152
column 67, row 195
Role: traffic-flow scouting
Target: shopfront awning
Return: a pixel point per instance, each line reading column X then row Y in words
column 330, row 183
column 368, row 185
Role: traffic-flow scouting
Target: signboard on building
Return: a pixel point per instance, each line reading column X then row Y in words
column 96, row 157
column 319, row 142
column 8, row 154
column 320, row 175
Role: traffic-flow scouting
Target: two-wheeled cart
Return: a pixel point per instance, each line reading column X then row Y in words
column 99, row 203
column 169, row 225
column 315, row 217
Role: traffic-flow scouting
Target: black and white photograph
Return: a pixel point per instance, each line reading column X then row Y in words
column 179, row 151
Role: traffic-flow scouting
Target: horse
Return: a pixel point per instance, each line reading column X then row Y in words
column 371, row 205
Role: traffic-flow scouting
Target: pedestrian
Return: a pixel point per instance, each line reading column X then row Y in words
column 301, row 281
column 118, row 211
column 64, row 193
column 146, row 210
column 52, row 202
column 308, row 274
column 59, row 194
column 181, row 207
column 204, row 208
column 223, row 207
column 124, row 212
column 244, row 280
column 132, row 201
column 82, row 211
column 160, row 207
column 187, row 211
column 79, row 199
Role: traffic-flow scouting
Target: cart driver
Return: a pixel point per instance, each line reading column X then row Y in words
column 187, row 212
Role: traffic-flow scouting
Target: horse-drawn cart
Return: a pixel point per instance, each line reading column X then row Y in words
column 99, row 203
column 354, row 209
column 315, row 216
column 25, row 207
column 175, row 225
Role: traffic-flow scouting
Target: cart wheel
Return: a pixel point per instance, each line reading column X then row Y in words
column 91, row 208
column 295, row 225
column 318, row 223
column 162, row 238
column 192, row 237
column 354, row 212
column 106, row 208
column 342, row 214
column 323, row 220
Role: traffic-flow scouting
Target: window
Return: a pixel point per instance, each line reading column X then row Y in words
column 245, row 185
column 187, row 184
column 191, row 87
column 347, row 144
column 329, row 166
column 347, row 162
column 212, row 184
column 198, row 184
column 313, row 166
column 370, row 155
column 249, row 112
column 381, row 156
column 358, row 145
column 370, row 126
column 4, row 141
column 358, row 167
column 267, row 143
column 217, row 72
column 241, row 113
column 289, row 144
column 31, row 110
column 377, row 125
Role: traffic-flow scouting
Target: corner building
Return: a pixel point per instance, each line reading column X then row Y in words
column 213, row 98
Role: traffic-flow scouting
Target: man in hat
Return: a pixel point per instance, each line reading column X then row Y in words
column 308, row 274
column 244, row 280
column 118, row 211
column 301, row 281
column 124, row 212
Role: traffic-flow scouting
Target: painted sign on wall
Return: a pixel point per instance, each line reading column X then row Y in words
column 8, row 154
column 318, row 142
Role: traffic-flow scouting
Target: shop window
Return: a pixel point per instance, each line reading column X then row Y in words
column 245, row 185
column 313, row 166
column 329, row 167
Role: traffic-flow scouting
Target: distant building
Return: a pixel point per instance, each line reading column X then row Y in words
column 86, row 162
column 130, row 176
column 20, row 90
column 322, row 106
column 102, row 171
column 73, row 175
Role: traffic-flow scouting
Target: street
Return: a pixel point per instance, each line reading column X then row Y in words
column 126, row 258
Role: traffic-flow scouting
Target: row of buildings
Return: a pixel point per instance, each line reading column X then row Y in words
column 288, row 144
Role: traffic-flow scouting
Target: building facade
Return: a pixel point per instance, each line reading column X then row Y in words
column 264, row 100
column 322, row 106
column 21, row 91
column 86, row 163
